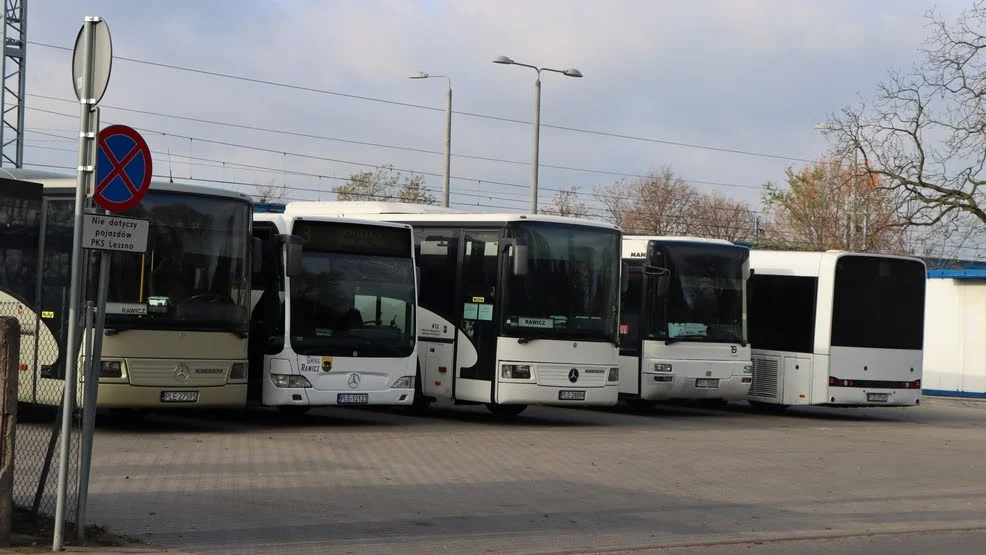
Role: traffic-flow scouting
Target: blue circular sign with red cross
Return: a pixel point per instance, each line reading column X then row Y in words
column 123, row 168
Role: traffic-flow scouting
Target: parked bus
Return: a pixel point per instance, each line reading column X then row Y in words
column 683, row 324
column 836, row 328
column 334, row 312
column 176, row 317
column 514, row 310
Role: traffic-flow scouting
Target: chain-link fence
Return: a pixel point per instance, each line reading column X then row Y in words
column 40, row 387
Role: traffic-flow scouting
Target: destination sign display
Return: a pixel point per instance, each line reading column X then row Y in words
column 349, row 238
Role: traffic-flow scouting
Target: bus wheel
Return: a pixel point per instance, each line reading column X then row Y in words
column 641, row 404
column 420, row 402
column 760, row 406
column 505, row 410
column 292, row 412
column 127, row 417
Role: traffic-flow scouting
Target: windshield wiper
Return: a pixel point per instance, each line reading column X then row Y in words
column 678, row 338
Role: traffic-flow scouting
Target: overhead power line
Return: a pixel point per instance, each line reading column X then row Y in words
column 278, row 84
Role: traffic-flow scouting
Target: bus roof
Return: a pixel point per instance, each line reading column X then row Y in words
column 57, row 182
column 411, row 212
column 274, row 217
column 635, row 246
column 805, row 263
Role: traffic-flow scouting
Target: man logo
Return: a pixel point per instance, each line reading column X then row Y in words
column 326, row 364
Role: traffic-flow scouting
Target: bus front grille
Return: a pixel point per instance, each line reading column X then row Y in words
column 177, row 373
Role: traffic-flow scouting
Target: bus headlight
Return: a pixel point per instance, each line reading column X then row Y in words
column 614, row 375
column 405, row 382
column 516, row 371
column 748, row 369
column 238, row 371
column 662, row 367
column 289, row 380
column 110, row 369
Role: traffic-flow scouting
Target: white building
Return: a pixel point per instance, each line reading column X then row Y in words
column 955, row 334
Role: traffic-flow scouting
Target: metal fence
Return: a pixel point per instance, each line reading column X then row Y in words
column 40, row 387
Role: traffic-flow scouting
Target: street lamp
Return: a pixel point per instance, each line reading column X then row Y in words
column 571, row 72
column 448, row 132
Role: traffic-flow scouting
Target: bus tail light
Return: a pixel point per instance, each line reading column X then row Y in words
column 405, row 382
column 110, row 369
column 289, row 380
column 614, row 375
column 238, row 371
column 516, row 371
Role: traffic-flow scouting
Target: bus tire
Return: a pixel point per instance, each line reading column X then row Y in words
column 420, row 402
column 771, row 408
column 641, row 404
column 505, row 410
column 292, row 412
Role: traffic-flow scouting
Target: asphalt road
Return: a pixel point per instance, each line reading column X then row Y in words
column 552, row 481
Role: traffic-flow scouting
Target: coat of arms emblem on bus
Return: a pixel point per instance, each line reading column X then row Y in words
column 326, row 364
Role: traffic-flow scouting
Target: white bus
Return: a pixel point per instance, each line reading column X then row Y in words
column 177, row 316
column 514, row 309
column 683, row 324
column 334, row 316
column 836, row 328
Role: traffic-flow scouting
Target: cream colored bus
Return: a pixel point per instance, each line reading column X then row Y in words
column 177, row 316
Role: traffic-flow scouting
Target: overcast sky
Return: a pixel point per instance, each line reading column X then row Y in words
column 752, row 75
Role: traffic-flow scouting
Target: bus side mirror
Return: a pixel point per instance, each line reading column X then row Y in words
column 258, row 255
column 662, row 285
column 520, row 260
column 292, row 259
column 624, row 277
column 751, row 273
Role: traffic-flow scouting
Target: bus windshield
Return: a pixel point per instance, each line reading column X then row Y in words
column 194, row 275
column 572, row 287
column 704, row 300
column 355, row 292
column 878, row 303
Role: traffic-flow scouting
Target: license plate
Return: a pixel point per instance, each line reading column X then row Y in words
column 179, row 396
column 707, row 383
column 878, row 397
column 353, row 398
column 571, row 395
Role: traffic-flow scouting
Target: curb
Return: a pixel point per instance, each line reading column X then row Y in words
column 953, row 402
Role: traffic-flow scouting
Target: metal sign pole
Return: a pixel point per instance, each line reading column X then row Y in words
column 91, row 383
column 71, row 347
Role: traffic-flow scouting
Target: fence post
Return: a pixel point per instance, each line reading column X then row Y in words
column 10, row 347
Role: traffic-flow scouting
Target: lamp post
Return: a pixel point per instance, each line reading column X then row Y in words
column 571, row 72
column 448, row 133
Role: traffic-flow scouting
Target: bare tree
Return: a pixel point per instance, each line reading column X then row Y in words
column 924, row 132
column 717, row 216
column 567, row 203
column 269, row 191
column 659, row 203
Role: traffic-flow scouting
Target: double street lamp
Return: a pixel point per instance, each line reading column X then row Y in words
column 448, row 132
column 571, row 72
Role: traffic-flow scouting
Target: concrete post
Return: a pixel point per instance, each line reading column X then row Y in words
column 10, row 347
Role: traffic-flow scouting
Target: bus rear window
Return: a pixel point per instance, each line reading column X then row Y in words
column 878, row 303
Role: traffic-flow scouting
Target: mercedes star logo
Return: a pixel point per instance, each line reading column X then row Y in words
column 573, row 375
column 354, row 381
column 181, row 372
